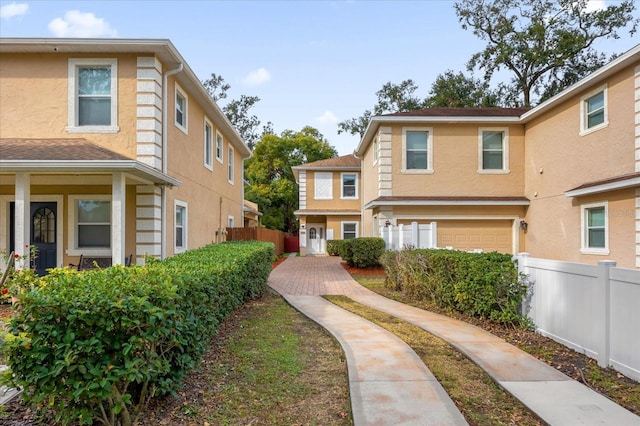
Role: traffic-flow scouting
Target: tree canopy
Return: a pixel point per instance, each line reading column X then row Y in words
column 545, row 44
column 271, row 182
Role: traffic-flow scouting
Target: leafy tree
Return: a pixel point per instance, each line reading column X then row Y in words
column 546, row 44
column 271, row 181
column 458, row 90
column 237, row 110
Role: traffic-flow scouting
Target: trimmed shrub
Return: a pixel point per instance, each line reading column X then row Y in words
column 98, row 345
column 345, row 250
column 485, row 285
column 333, row 247
column 366, row 252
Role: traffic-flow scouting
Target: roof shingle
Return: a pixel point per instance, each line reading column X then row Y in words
column 55, row 150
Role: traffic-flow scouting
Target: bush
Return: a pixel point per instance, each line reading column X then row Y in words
column 333, row 247
column 485, row 285
column 97, row 345
column 366, row 252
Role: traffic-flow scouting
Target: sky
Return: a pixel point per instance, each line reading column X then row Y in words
column 312, row 63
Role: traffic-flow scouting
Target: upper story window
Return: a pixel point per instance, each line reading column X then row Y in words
column 493, row 150
column 595, row 224
column 593, row 110
column 230, row 165
column 93, row 95
column 349, row 185
column 180, row 226
column 208, row 145
column 417, row 150
column 323, row 185
column 182, row 105
column 219, row 143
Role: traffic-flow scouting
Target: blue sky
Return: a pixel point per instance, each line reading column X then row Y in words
column 311, row 62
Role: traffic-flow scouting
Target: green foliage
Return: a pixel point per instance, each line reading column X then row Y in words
column 485, row 285
column 361, row 252
column 460, row 91
column 97, row 345
column 541, row 42
column 333, row 247
column 272, row 184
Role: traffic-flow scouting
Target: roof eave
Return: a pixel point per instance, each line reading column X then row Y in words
column 374, row 203
column 607, row 187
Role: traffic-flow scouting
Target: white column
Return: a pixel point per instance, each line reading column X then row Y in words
column 22, row 218
column 118, row 196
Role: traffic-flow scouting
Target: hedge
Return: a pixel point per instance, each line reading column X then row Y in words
column 485, row 285
column 362, row 252
column 98, row 345
column 333, row 247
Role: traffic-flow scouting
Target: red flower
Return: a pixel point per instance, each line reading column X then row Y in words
column 5, row 291
column 17, row 256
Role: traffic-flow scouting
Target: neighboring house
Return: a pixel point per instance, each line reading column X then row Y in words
column 330, row 202
column 560, row 181
column 111, row 148
column 251, row 214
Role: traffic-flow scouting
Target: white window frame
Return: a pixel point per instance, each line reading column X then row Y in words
column 73, row 249
column 185, row 226
column 584, row 231
column 219, row 147
column 505, row 151
column 230, row 221
column 348, row 222
column 230, row 166
column 73, row 107
column 342, row 196
column 429, row 169
column 322, row 176
column 185, row 114
column 584, row 130
column 208, row 162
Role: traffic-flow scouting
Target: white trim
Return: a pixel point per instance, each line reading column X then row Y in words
column 322, row 176
column 185, row 226
column 375, row 150
column 605, row 187
column 72, row 243
column 185, row 114
column 584, row 130
column 342, row 196
column 207, row 123
column 372, row 204
column 231, row 168
column 230, row 221
column 325, row 213
column 505, row 150
column 72, row 101
column 219, row 138
column 584, row 249
column 429, row 169
column 346, row 222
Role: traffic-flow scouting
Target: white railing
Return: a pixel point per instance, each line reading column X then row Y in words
column 593, row 309
column 414, row 236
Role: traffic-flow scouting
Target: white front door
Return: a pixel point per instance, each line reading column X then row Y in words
column 316, row 239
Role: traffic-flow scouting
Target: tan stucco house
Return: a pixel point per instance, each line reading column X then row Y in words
column 560, row 181
column 111, row 148
column 330, row 202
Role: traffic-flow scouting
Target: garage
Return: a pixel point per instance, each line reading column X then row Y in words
column 488, row 235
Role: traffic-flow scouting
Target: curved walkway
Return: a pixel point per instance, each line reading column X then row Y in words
column 390, row 385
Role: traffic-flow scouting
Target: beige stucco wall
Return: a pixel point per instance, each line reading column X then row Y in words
column 336, row 203
column 369, row 172
column 335, row 223
column 559, row 159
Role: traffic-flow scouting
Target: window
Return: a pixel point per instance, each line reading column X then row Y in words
column 181, row 109
column 417, row 144
column 493, row 150
column 593, row 110
column 93, row 85
column 180, row 225
column 349, row 230
column 323, row 186
column 349, row 187
column 219, row 141
column 230, row 165
column 230, row 222
column 595, row 229
column 208, row 145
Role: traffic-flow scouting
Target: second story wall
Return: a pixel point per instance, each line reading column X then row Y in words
column 333, row 190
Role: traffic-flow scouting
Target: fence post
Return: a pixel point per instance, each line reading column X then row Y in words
column 604, row 283
column 415, row 239
column 522, row 260
column 433, row 242
column 401, row 242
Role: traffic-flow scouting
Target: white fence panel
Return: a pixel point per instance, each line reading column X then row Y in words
column 590, row 308
column 414, row 235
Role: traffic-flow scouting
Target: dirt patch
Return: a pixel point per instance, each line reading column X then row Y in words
column 377, row 271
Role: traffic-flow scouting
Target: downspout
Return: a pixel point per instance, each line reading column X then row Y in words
column 163, row 189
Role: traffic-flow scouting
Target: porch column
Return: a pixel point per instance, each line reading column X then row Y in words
column 118, row 196
column 22, row 218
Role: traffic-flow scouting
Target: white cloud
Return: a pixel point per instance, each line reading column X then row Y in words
column 79, row 24
column 593, row 5
column 327, row 117
column 257, row 77
column 12, row 10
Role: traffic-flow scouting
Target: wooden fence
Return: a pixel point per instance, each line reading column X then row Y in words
column 258, row 234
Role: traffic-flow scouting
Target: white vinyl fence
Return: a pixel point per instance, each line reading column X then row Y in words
column 593, row 309
column 414, row 236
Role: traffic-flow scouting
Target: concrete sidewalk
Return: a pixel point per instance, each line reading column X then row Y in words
column 553, row 396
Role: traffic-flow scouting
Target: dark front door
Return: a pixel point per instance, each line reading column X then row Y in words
column 43, row 235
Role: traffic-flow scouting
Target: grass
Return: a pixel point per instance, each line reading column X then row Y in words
column 476, row 395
